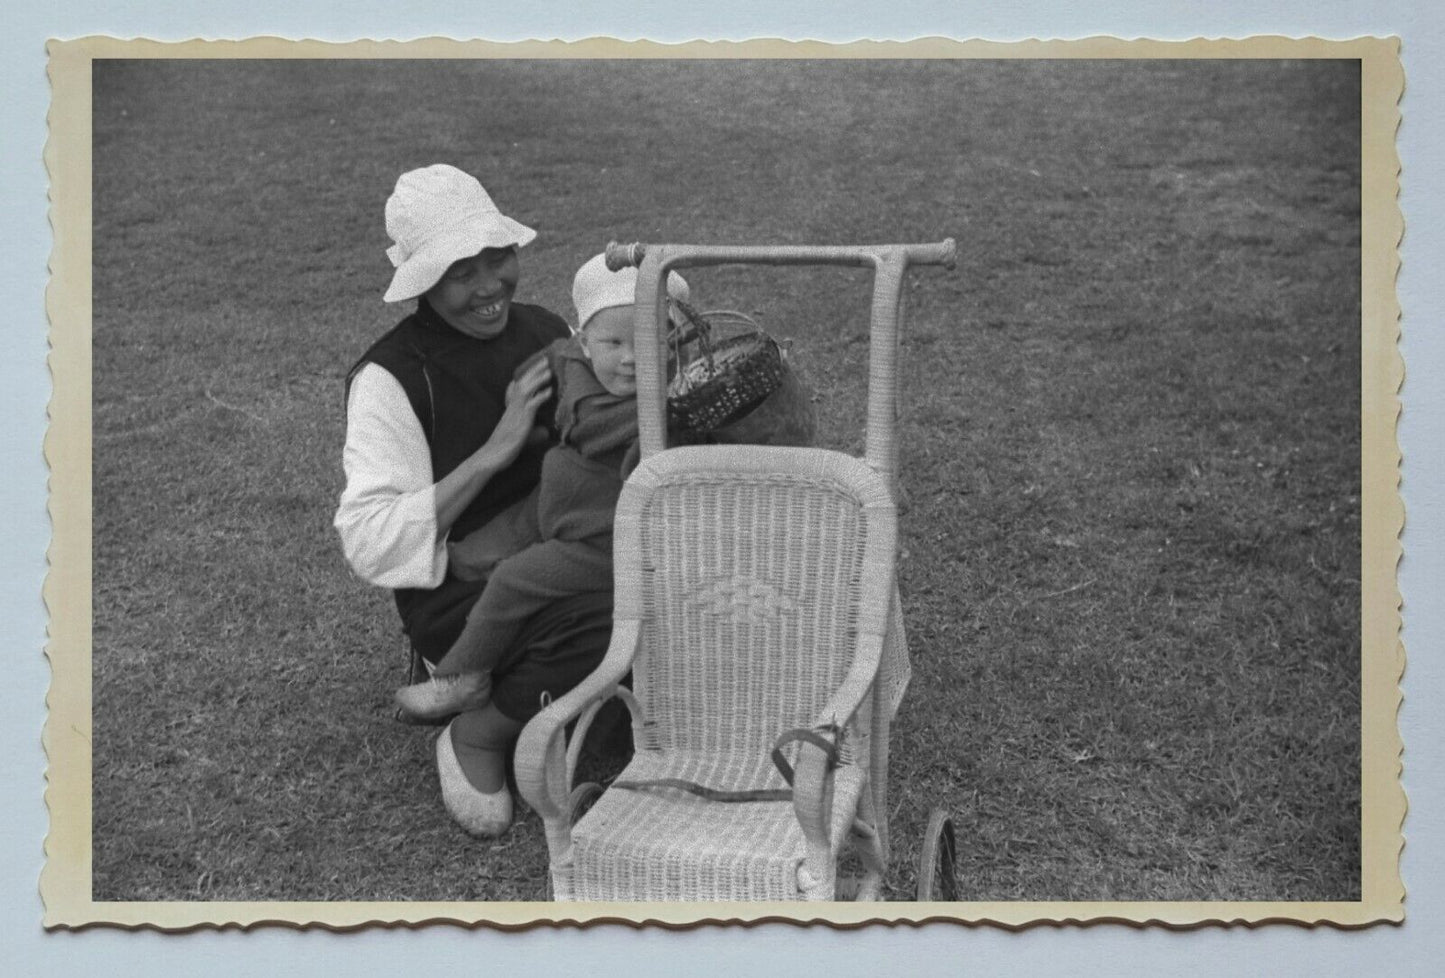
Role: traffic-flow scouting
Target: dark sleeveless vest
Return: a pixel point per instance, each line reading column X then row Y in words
column 457, row 387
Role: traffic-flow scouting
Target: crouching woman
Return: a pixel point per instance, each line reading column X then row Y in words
column 441, row 437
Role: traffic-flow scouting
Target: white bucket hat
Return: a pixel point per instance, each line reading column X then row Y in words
column 438, row 215
column 595, row 287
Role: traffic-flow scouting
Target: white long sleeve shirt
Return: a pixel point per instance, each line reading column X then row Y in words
column 387, row 513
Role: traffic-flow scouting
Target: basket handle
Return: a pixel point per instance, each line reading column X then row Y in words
column 702, row 328
column 702, row 325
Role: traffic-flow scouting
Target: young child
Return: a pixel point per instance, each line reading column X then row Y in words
column 557, row 541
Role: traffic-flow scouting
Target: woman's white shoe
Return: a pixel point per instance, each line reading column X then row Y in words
column 478, row 812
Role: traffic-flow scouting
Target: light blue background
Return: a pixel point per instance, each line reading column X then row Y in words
column 1415, row 948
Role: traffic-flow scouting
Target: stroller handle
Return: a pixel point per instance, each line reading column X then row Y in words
column 945, row 253
column 889, row 264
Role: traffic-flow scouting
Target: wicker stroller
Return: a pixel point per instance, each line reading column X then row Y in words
column 757, row 611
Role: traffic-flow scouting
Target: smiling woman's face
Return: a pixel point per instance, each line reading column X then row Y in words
column 475, row 294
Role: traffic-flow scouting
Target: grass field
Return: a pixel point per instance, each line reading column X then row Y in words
column 1131, row 450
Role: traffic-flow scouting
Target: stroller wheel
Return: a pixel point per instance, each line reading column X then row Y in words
column 581, row 799
column 936, row 877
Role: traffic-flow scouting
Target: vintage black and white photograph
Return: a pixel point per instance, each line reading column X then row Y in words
column 947, row 489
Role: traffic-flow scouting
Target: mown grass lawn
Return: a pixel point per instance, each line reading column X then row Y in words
column 1131, row 448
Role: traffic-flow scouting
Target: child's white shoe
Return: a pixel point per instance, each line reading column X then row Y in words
column 442, row 696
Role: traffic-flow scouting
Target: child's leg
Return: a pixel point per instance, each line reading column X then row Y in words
column 519, row 587
column 511, row 531
column 481, row 739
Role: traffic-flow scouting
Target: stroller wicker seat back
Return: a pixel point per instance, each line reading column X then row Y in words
column 740, row 639
column 738, row 631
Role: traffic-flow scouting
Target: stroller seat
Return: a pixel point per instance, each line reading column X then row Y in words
column 671, row 845
column 753, row 592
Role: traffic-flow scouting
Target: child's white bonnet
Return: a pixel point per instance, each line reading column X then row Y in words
column 595, row 287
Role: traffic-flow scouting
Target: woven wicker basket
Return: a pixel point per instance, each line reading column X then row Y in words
column 733, row 368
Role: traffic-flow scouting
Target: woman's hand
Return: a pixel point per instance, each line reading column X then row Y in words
column 527, row 392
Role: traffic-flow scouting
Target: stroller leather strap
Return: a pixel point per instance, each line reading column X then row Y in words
column 751, row 794
column 703, row 791
column 827, row 746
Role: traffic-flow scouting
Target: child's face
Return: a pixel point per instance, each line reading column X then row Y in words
column 607, row 341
